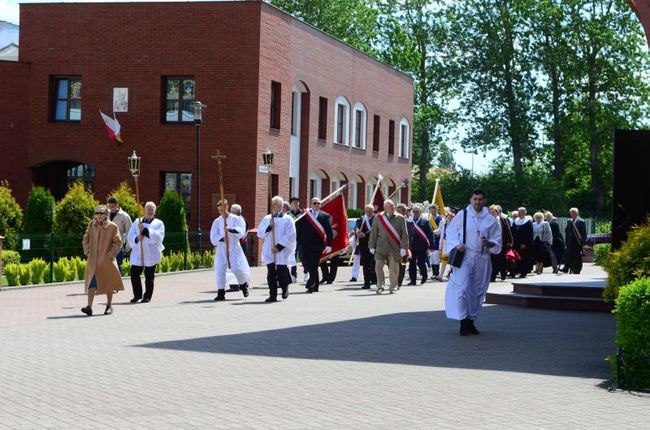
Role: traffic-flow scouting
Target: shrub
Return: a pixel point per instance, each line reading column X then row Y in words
column 73, row 214
column 10, row 257
column 79, row 266
column 38, row 268
column 126, row 267
column 629, row 262
column 165, row 264
column 633, row 336
column 601, row 252
column 11, row 216
column 355, row 213
column 208, row 259
column 175, row 261
column 38, row 222
column 195, row 260
column 603, row 227
column 125, row 195
column 47, row 276
column 61, row 270
column 12, row 272
column 25, row 274
column 172, row 212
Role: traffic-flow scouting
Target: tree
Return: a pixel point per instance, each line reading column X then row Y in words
column 39, row 213
column 73, row 215
column 11, row 216
column 171, row 211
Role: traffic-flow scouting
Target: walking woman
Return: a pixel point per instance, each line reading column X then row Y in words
column 102, row 243
column 542, row 240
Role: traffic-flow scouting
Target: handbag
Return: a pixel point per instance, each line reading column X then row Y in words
column 512, row 256
column 455, row 255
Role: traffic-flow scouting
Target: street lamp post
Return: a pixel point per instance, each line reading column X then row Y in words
column 267, row 159
column 198, row 119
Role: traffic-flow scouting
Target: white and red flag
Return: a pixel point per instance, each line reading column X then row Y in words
column 112, row 127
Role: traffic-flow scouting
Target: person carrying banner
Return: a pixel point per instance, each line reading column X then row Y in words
column 389, row 242
column 314, row 233
column 277, row 251
column 421, row 241
column 362, row 231
column 435, row 220
column 477, row 234
column 234, row 259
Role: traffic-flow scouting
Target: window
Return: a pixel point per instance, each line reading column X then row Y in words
column 391, row 137
column 376, row 128
column 180, row 182
column 67, row 98
column 82, row 172
column 360, row 120
column 322, row 118
column 276, row 104
column 342, row 123
column 179, row 99
column 404, row 138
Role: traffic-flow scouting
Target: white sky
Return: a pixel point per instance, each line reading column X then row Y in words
column 9, row 11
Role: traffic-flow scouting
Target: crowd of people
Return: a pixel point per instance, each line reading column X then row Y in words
column 470, row 247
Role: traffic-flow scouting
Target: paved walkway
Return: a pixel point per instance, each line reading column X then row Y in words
column 341, row 358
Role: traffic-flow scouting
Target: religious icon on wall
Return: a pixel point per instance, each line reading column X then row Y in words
column 120, row 99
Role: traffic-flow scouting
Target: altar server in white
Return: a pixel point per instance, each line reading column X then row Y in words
column 469, row 283
column 236, row 229
column 145, row 238
column 279, row 234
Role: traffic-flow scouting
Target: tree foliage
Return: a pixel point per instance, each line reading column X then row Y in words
column 11, row 217
column 39, row 213
column 171, row 211
column 125, row 195
column 73, row 214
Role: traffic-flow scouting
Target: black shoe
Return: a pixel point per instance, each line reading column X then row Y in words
column 365, row 287
column 233, row 288
column 134, row 300
column 87, row 310
column 285, row 293
column 309, row 291
column 244, row 289
column 314, row 289
column 109, row 310
column 221, row 296
column 464, row 331
column 146, row 300
column 412, row 283
column 423, row 281
column 353, row 279
column 271, row 300
column 471, row 328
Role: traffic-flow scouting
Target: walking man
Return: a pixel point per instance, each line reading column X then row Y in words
column 576, row 234
column 278, row 248
column 235, row 228
column 146, row 240
column 123, row 222
column 478, row 234
column 421, row 241
column 389, row 242
column 315, row 235
column 362, row 232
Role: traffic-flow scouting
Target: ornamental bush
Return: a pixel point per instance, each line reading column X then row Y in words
column 126, row 267
column 165, row 264
column 633, row 336
column 25, row 274
column 73, row 214
column 630, row 262
column 79, row 266
column 10, row 257
column 194, row 260
column 38, row 268
column 172, row 212
column 11, row 217
column 125, row 195
column 355, row 213
column 38, row 223
column 12, row 272
column 601, row 252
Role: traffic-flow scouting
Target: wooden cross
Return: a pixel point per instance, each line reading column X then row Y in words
column 220, row 157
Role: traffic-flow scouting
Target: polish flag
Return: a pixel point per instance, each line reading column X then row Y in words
column 112, row 126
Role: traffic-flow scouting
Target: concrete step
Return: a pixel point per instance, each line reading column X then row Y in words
column 566, row 303
column 585, row 290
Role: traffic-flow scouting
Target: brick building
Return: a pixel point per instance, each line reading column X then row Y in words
column 330, row 114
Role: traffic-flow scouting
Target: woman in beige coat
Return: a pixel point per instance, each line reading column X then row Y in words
column 101, row 244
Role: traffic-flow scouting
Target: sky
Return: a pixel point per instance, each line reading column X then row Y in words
column 9, row 11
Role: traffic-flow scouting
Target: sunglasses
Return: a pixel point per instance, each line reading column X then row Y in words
column 316, row 204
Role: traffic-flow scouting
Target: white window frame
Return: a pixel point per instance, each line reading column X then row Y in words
column 404, row 144
column 359, row 107
column 342, row 101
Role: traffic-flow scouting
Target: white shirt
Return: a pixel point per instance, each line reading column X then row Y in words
column 285, row 235
column 152, row 245
column 479, row 225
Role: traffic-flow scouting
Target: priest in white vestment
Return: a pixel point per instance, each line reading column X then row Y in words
column 469, row 282
column 236, row 229
column 278, row 249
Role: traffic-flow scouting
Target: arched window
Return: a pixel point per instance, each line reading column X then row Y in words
column 359, row 125
column 404, row 138
column 342, row 121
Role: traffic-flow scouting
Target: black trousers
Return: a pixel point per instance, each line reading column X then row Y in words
column 402, row 273
column 136, row 283
column 310, row 263
column 329, row 269
column 573, row 259
column 418, row 261
column 277, row 276
column 368, row 263
column 499, row 266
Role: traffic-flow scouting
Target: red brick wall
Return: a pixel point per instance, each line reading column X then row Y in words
column 14, row 117
column 134, row 45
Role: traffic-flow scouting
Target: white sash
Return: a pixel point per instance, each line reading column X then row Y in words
column 420, row 233
column 389, row 228
column 317, row 226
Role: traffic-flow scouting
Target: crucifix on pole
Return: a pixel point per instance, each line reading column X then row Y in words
column 224, row 213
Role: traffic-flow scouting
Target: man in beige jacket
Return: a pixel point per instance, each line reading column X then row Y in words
column 389, row 242
column 123, row 222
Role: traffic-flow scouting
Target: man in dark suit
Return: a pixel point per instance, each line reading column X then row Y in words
column 362, row 230
column 576, row 234
column 422, row 243
column 315, row 235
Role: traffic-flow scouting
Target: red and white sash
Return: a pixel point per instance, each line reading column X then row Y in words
column 389, row 228
column 317, row 226
column 420, row 233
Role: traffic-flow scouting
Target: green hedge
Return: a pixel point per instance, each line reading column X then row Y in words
column 172, row 212
column 355, row 213
column 633, row 337
column 11, row 217
column 601, row 253
column 630, row 262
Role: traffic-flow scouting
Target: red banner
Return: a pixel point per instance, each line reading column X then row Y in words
column 378, row 201
column 339, row 221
